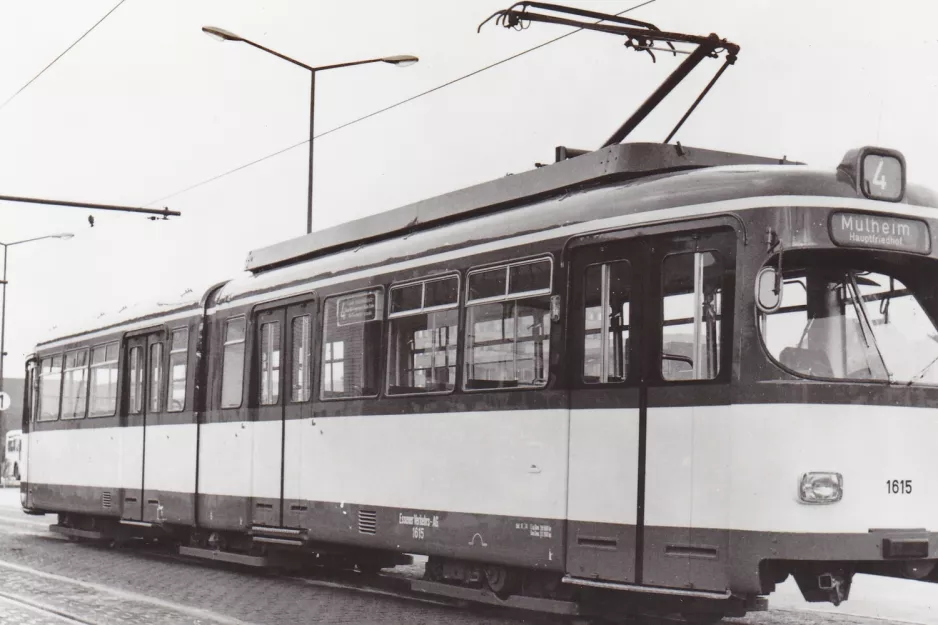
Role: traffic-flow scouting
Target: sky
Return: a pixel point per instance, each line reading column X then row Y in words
column 147, row 105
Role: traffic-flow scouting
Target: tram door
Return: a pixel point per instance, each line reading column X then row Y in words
column 143, row 383
column 649, row 366
column 606, row 282
column 281, row 386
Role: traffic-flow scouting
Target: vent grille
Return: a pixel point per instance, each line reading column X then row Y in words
column 367, row 521
column 106, row 499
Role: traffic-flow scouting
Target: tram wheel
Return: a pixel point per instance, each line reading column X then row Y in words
column 502, row 581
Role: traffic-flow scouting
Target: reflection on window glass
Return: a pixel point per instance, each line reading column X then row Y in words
column 232, row 376
column 488, row 283
column 178, row 356
column 300, row 375
column 103, row 399
column 74, row 385
column 528, row 277
column 270, row 363
column 352, row 345
column 607, row 291
column 508, row 340
column 422, row 355
column 135, row 367
column 156, row 377
column 846, row 323
column 50, row 388
column 691, row 336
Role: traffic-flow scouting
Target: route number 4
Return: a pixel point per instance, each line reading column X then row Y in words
column 878, row 178
column 899, row 487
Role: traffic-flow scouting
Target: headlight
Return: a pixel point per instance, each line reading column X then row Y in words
column 821, row 487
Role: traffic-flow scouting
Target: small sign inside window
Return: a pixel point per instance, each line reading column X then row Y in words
column 358, row 308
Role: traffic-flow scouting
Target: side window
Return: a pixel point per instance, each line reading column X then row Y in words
column 351, row 345
column 135, row 383
column 423, row 319
column 156, row 377
column 333, row 368
column 35, row 370
column 178, row 358
column 270, row 363
column 606, row 322
column 508, row 326
column 692, row 306
column 232, row 376
column 75, row 385
column 103, row 398
column 300, row 378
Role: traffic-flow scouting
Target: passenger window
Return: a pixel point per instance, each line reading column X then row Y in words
column 508, row 326
column 352, row 345
column 423, row 322
column 232, row 376
column 50, row 388
column 606, row 323
column 135, row 367
column 103, row 398
column 178, row 358
column 300, row 378
column 333, row 371
column 692, row 307
column 75, row 385
column 270, row 363
column 156, row 376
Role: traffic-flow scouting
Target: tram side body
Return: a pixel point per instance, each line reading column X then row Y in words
column 511, row 478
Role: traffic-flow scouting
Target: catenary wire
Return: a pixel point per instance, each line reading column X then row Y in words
column 64, row 52
column 379, row 111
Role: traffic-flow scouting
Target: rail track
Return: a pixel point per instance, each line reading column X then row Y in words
column 30, row 606
column 394, row 584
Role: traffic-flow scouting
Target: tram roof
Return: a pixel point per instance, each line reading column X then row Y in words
column 614, row 163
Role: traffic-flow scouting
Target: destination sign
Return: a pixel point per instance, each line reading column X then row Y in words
column 357, row 308
column 885, row 233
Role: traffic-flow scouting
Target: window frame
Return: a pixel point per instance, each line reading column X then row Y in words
column 91, row 366
column 603, row 331
column 423, row 310
column 381, row 318
column 722, row 347
column 310, row 378
column 268, row 373
column 509, row 296
column 161, row 382
column 140, row 382
column 167, row 407
column 58, row 408
column 86, row 381
column 224, row 343
column 507, row 265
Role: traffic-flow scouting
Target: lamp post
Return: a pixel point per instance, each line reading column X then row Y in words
column 400, row 61
column 3, row 307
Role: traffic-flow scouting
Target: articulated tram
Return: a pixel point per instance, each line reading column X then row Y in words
column 645, row 378
column 650, row 376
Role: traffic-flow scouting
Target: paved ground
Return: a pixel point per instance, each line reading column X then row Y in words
column 96, row 585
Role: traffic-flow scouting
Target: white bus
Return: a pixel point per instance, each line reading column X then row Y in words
column 11, row 461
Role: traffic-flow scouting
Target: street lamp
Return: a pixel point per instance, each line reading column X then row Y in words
column 3, row 311
column 399, row 60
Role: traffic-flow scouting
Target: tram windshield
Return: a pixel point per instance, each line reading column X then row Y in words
column 854, row 320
